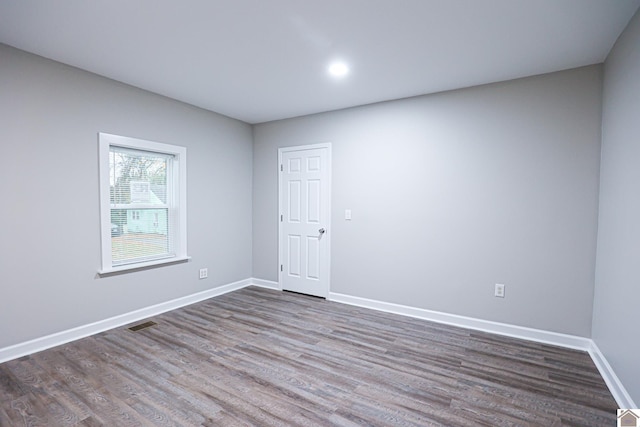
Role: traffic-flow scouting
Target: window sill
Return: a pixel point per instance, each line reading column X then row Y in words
column 142, row 266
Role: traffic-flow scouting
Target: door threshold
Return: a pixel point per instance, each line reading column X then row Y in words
column 303, row 294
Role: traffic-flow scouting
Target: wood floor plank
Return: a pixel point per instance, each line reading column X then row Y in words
column 10, row 386
column 258, row 357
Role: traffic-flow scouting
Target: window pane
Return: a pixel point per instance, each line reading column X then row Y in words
column 144, row 235
column 137, row 177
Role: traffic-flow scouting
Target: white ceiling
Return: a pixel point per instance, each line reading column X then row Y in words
column 262, row 60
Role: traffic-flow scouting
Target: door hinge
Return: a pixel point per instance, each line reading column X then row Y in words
column 280, row 267
column 281, row 168
column 280, row 217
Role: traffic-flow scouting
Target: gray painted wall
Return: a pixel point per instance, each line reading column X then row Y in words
column 616, row 312
column 454, row 192
column 50, row 116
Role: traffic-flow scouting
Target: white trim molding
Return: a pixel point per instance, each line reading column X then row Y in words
column 63, row 337
column 620, row 394
column 266, row 284
column 538, row 335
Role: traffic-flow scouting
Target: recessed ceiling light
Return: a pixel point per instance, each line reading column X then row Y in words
column 338, row 69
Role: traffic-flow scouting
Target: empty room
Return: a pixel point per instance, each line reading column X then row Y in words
column 308, row 213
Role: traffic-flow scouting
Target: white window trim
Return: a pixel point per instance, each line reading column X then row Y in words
column 180, row 213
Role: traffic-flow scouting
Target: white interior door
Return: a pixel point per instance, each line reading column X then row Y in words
column 305, row 194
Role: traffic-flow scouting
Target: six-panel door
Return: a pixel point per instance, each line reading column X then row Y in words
column 304, row 197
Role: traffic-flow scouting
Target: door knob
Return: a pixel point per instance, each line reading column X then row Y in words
column 322, row 231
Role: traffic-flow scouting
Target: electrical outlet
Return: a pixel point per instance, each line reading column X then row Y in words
column 204, row 273
column 499, row 291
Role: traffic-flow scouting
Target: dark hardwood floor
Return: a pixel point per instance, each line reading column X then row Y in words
column 267, row 358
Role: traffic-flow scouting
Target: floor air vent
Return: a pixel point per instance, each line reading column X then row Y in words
column 142, row 326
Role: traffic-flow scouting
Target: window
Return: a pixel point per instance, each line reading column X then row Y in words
column 142, row 203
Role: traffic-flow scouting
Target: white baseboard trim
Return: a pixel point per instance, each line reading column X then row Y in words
column 620, row 394
column 538, row 335
column 265, row 284
column 618, row 391
column 59, row 338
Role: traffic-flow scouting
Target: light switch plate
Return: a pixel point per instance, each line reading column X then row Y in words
column 347, row 214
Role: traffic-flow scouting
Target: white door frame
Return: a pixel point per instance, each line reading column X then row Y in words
column 327, row 236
